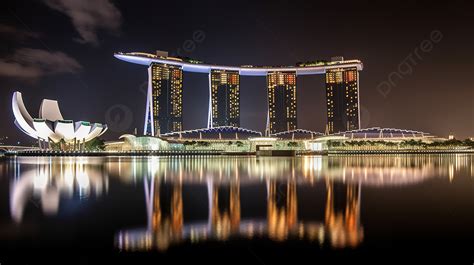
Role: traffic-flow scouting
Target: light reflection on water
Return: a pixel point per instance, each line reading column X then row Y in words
column 383, row 170
column 342, row 179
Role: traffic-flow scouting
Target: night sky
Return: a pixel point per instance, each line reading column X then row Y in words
column 418, row 58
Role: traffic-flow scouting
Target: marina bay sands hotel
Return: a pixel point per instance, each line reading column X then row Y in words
column 164, row 107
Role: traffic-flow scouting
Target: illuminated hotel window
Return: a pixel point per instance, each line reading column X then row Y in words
column 342, row 99
column 166, row 101
column 281, row 89
column 225, row 98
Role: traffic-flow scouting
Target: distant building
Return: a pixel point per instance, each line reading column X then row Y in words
column 298, row 134
column 225, row 138
column 224, row 95
column 216, row 133
column 50, row 126
column 386, row 134
column 225, row 98
column 281, row 88
column 164, row 104
column 128, row 142
column 342, row 100
column 164, row 109
column 374, row 138
column 233, row 139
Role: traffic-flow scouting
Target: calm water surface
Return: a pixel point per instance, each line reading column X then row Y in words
column 125, row 209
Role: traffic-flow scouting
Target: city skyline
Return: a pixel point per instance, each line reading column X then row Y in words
column 397, row 79
column 251, row 131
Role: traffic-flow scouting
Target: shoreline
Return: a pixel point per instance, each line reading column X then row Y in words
column 224, row 153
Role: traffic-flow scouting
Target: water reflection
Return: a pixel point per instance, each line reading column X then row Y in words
column 166, row 227
column 374, row 170
column 343, row 177
column 166, row 184
column 47, row 181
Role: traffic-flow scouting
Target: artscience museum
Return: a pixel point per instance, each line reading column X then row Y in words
column 50, row 126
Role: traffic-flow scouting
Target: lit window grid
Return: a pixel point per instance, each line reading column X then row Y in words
column 225, row 96
column 346, row 81
column 168, row 115
column 285, row 81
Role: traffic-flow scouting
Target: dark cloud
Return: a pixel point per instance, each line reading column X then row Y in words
column 16, row 34
column 89, row 16
column 28, row 63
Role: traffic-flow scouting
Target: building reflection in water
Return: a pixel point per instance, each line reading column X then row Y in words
column 341, row 224
column 47, row 181
column 224, row 208
column 226, row 179
column 380, row 170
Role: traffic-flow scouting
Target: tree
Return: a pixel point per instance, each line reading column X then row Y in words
column 55, row 146
column 203, row 143
column 469, row 142
column 350, row 143
column 292, row 144
column 189, row 143
column 95, row 144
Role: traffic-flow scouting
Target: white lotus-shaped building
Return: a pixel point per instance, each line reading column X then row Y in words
column 50, row 125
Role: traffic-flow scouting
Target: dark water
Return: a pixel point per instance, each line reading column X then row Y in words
column 124, row 210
